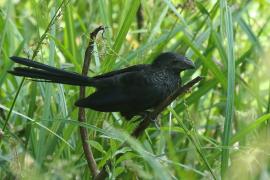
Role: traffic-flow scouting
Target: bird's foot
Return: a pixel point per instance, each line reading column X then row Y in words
column 144, row 114
column 156, row 122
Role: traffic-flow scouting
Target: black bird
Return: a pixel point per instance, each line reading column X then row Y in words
column 131, row 91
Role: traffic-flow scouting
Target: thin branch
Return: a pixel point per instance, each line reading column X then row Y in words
column 81, row 114
column 148, row 119
column 140, row 20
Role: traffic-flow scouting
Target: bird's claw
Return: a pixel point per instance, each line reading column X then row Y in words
column 144, row 114
column 152, row 119
column 156, row 122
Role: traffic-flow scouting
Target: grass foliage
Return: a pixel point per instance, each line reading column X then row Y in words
column 220, row 126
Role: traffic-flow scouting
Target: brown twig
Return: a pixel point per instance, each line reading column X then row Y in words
column 81, row 114
column 140, row 20
column 149, row 118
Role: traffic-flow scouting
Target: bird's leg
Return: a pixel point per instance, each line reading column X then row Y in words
column 144, row 114
column 156, row 122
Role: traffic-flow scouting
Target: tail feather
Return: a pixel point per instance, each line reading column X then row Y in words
column 48, row 73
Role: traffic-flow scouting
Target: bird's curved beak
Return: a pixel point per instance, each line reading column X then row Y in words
column 188, row 64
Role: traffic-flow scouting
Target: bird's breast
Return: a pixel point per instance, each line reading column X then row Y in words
column 165, row 82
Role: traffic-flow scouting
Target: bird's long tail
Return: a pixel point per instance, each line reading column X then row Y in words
column 38, row 71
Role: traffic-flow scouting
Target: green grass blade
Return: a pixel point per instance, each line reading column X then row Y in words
column 194, row 141
column 204, row 89
column 207, row 63
column 249, row 128
column 230, row 89
column 38, row 124
column 129, row 17
column 41, row 150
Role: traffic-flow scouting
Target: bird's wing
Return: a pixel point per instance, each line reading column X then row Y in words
column 109, row 79
column 121, row 71
column 130, row 92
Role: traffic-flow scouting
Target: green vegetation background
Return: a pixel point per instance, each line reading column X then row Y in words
column 221, row 125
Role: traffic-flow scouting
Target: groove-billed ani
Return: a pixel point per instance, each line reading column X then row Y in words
column 130, row 91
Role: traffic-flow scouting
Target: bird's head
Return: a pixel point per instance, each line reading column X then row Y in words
column 173, row 61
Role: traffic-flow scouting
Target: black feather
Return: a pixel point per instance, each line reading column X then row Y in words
column 52, row 74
